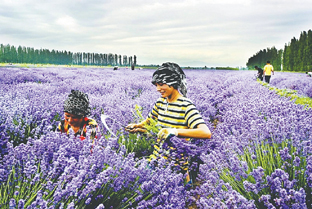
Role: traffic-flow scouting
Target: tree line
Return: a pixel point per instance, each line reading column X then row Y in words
column 12, row 54
column 296, row 55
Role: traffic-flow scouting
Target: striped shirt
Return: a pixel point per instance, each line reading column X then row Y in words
column 181, row 114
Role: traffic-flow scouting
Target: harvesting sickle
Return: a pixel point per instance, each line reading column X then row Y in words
column 128, row 128
column 103, row 119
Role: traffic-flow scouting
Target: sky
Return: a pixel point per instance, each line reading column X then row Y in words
column 212, row 33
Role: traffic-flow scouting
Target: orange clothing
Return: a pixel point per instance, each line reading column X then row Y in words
column 87, row 123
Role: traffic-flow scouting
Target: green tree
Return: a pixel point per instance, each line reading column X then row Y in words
column 308, row 51
column 13, row 55
column 125, row 60
column 119, row 58
column 1, row 53
column 301, row 51
column 116, row 59
column 6, row 53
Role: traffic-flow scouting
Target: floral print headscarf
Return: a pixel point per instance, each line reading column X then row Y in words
column 171, row 74
column 77, row 103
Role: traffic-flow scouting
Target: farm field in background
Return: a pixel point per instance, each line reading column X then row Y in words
column 259, row 155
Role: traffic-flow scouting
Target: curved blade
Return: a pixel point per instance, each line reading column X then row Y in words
column 103, row 118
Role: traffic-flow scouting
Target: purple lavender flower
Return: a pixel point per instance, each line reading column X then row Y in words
column 296, row 161
column 71, row 205
column 21, row 204
column 284, row 153
column 100, row 206
column 12, row 203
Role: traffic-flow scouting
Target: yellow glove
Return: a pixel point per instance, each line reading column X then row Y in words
column 166, row 133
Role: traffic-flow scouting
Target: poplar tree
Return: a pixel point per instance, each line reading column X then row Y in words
column 12, row 54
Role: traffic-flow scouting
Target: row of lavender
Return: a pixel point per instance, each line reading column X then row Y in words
column 293, row 81
column 62, row 172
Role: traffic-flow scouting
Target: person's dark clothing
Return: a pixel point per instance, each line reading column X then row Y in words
column 267, row 78
column 260, row 74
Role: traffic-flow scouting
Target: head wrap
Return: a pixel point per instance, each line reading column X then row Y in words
column 171, row 74
column 77, row 103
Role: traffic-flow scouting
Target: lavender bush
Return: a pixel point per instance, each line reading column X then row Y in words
column 56, row 171
column 293, row 81
column 251, row 115
column 277, row 170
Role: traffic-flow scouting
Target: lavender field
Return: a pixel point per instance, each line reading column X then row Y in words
column 259, row 156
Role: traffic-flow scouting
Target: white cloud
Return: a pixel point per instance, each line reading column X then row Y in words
column 68, row 23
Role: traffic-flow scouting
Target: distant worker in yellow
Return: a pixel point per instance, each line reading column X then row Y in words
column 268, row 71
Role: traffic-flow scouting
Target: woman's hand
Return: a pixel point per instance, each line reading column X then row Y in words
column 166, row 133
column 134, row 128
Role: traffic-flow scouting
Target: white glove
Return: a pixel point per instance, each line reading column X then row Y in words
column 166, row 133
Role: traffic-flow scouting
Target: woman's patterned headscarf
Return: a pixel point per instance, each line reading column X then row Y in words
column 172, row 75
column 77, row 103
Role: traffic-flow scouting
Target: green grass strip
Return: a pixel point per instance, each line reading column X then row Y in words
column 292, row 94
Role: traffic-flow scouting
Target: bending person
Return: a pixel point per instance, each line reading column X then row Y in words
column 173, row 111
column 76, row 109
column 260, row 73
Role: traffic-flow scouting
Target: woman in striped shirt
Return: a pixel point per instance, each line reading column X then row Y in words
column 173, row 111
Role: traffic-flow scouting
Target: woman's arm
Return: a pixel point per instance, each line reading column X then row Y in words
column 202, row 132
